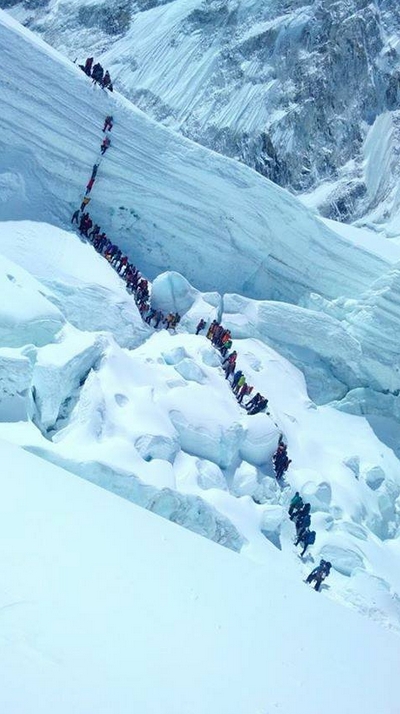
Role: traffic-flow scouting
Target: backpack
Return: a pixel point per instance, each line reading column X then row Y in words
column 311, row 538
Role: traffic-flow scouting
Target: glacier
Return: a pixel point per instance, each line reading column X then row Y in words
column 158, row 425
column 151, row 197
column 90, row 393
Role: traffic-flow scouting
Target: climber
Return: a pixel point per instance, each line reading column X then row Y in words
column 245, row 389
column 226, row 335
column 259, row 407
column 303, row 521
column 152, row 313
column 236, row 378
column 158, row 317
column 122, row 265
column 102, row 243
column 229, row 364
column 239, row 384
column 94, row 171
column 87, row 226
column 168, row 320
column 129, row 273
column 106, row 81
column 211, row 329
column 281, row 461
column 108, row 254
column 82, row 222
column 75, row 217
column 253, row 402
column 229, row 368
column 226, row 346
column 94, row 233
column 116, row 257
column 174, row 321
column 301, row 514
column 108, row 123
column 142, row 293
column 143, row 307
column 295, row 505
column 95, row 240
column 90, row 185
column 308, row 538
column 88, row 66
column 105, row 144
column 216, row 338
column 97, row 73
column 319, row 574
column 85, row 202
column 200, row 326
column 134, row 279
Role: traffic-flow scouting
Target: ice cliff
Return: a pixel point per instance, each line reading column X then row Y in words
column 292, row 89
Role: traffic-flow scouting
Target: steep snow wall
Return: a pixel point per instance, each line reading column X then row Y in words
column 168, row 202
column 290, row 88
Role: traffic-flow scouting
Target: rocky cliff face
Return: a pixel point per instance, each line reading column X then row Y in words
column 287, row 87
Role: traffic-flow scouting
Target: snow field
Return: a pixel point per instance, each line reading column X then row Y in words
column 109, row 629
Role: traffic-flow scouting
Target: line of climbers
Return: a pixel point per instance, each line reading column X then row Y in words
column 136, row 284
column 221, row 339
column 299, row 512
column 97, row 73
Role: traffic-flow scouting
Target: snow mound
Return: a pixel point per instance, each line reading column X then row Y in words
column 26, row 314
column 16, row 372
column 83, row 288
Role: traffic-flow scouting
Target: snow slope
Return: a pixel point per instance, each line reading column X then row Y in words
column 77, row 280
column 170, row 203
column 139, row 614
column 158, row 424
